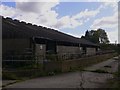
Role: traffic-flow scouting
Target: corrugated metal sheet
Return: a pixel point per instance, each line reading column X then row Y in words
column 15, row 29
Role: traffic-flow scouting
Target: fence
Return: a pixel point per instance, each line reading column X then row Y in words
column 16, row 69
column 32, row 61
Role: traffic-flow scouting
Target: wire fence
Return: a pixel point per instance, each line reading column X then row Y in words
column 14, row 61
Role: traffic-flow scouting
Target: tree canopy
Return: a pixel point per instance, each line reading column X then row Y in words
column 96, row 36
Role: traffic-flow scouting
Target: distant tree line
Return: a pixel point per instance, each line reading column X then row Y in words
column 100, row 37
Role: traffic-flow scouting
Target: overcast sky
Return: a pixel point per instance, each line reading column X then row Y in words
column 70, row 17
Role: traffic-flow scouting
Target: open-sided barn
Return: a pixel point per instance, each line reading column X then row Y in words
column 20, row 38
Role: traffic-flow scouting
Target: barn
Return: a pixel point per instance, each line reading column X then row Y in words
column 21, row 38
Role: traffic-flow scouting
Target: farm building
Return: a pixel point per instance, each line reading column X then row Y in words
column 20, row 38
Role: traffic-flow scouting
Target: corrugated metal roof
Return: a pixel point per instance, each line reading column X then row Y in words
column 15, row 29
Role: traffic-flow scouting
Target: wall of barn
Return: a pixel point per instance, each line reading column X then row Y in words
column 73, row 49
column 40, row 49
column 14, row 45
column 90, row 51
column 68, row 49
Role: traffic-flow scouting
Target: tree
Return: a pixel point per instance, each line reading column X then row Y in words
column 87, row 34
column 96, row 36
column 82, row 36
column 103, row 36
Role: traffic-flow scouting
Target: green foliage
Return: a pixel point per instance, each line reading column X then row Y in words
column 96, row 36
column 117, row 49
column 102, row 36
column 114, row 47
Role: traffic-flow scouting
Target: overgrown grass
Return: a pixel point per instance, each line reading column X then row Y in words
column 73, row 65
column 115, row 82
column 27, row 74
column 35, row 70
column 16, row 75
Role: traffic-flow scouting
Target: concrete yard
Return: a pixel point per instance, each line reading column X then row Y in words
column 84, row 79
